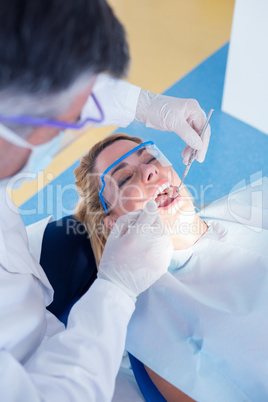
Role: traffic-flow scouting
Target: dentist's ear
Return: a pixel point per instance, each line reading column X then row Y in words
column 109, row 221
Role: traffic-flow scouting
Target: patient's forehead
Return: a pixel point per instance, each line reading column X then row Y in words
column 113, row 152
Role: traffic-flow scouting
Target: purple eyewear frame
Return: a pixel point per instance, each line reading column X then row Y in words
column 39, row 121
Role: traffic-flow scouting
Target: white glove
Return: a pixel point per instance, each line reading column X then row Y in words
column 137, row 252
column 183, row 116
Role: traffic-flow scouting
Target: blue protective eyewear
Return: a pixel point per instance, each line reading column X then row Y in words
column 114, row 164
column 39, row 121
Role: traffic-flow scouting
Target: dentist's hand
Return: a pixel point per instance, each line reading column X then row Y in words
column 137, row 252
column 183, row 116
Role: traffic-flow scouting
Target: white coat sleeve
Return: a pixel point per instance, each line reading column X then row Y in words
column 117, row 98
column 79, row 363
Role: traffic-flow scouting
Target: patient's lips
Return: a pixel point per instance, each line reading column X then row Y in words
column 164, row 194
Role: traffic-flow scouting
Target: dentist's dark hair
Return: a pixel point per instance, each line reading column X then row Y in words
column 49, row 50
column 45, row 45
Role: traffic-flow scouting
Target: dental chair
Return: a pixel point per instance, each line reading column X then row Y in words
column 147, row 387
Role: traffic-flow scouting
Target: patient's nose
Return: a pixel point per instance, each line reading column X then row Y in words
column 148, row 172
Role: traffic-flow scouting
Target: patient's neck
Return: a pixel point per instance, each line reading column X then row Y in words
column 189, row 233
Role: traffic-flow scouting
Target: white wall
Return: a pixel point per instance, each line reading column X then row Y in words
column 246, row 82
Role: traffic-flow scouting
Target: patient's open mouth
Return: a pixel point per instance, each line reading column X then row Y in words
column 164, row 195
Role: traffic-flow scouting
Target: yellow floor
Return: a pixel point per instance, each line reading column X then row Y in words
column 167, row 40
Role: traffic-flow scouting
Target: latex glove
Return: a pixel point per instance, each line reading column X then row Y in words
column 137, row 252
column 183, row 116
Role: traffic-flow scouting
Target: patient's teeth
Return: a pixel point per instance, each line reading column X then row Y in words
column 165, row 187
column 169, row 191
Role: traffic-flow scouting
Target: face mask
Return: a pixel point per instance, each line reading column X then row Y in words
column 41, row 157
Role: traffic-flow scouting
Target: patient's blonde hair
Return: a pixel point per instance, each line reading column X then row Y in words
column 89, row 209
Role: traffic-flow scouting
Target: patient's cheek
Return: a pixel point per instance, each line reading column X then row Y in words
column 132, row 198
column 130, row 206
column 132, row 192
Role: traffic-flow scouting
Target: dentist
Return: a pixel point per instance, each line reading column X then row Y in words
column 53, row 54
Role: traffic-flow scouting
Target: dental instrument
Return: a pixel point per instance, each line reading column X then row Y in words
column 191, row 159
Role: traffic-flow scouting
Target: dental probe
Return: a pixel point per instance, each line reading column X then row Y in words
column 192, row 156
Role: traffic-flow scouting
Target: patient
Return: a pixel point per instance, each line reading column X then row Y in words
column 207, row 335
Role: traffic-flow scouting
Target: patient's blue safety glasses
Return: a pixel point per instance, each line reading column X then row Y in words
column 39, row 121
column 145, row 153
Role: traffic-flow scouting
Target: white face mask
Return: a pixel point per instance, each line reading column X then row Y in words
column 41, row 157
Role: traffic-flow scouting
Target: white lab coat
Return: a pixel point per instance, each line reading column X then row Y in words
column 39, row 358
column 117, row 98
column 204, row 325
